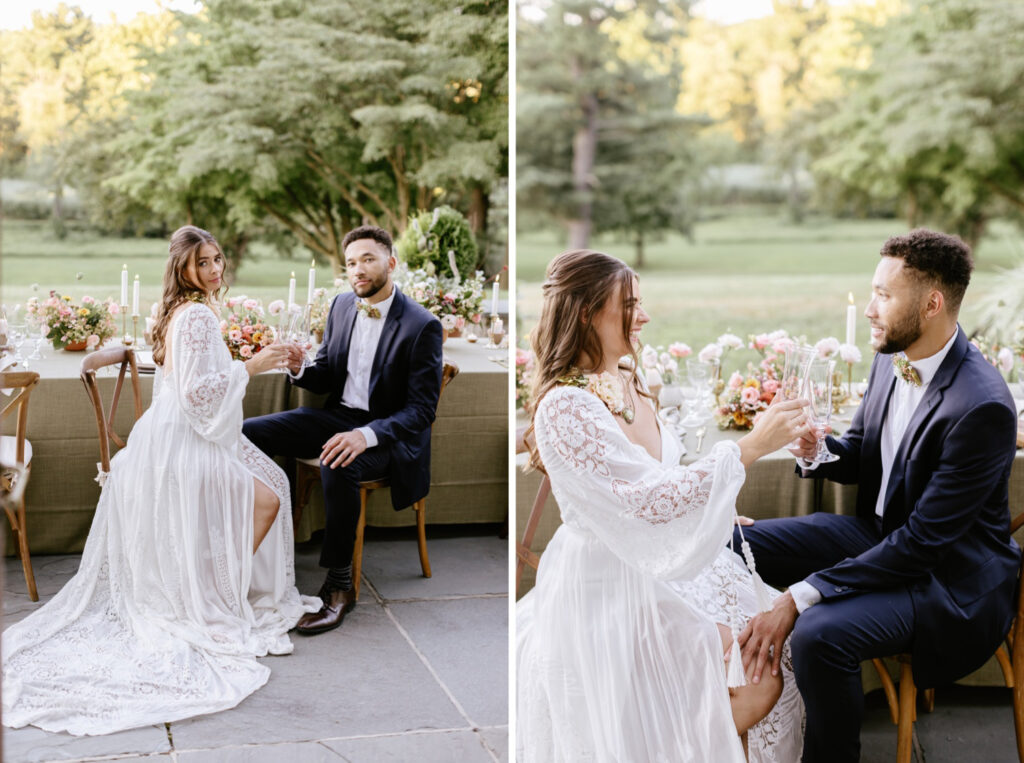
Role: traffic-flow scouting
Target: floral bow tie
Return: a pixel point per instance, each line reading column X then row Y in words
column 366, row 307
column 903, row 370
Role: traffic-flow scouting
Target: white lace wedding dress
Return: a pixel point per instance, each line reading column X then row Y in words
column 618, row 655
column 170, row 608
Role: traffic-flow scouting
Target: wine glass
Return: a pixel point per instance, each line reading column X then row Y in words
column 705, row 373
column 18, row 335
column 794, row 375
column 690, row 387
column 819, row 393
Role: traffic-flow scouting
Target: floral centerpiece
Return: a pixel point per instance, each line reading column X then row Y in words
column 1002, row 357
column 661, row 365
column 453, row 301
column 439, row 242
column 245, row 329
column 524, row 377
column 744, row 398
column 318, row 312
column 82, row 326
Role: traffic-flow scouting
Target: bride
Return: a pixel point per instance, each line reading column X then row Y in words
column 618, row 653
column 187, row 574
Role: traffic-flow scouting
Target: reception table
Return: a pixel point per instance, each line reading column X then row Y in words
column 469, row 456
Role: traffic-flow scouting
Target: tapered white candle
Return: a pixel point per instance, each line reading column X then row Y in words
column 135, row 297
column 312, row 283
column 291, row 291
column 124, row 286
column 494, row 297
column 851, row 322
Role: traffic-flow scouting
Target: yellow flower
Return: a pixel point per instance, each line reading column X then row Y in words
column 235, row 327
column 257, row 337
column 751, row 382
column 67, row 298
column 82, row 311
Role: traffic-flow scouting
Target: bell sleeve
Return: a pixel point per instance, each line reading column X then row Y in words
column 210, row 386
column 667, row 521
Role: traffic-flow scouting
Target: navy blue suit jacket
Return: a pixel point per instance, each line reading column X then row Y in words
column 405, row 383
column 945, row 529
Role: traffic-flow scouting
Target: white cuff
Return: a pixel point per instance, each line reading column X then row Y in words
column 369, row 435
column 804, row 595
column 807, row 466
column 298, row 375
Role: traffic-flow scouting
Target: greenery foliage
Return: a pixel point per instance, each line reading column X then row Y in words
column 429, row 237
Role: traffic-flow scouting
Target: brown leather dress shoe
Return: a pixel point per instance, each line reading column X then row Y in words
column 337, row 604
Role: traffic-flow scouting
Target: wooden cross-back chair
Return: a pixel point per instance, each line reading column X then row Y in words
column 902, row 700
column 91, row 364
column 307, row 474
column 16, row 465
column 524, row 552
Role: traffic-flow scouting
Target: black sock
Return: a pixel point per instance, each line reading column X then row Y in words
column 340, row 578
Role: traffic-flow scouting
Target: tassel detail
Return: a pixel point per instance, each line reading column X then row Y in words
column 734, row 677
column 764, row 599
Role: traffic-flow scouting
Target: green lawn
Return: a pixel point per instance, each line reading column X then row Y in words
column 758, row 272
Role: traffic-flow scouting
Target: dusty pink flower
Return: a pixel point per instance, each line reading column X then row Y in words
column 679, row 350
column 736, row 380
column 114, row 308
column 770, row 386
column 92, row 341
column 750, row 396
column 245, row 351
column 88, row 301
column 251, row 304
column 235, row 335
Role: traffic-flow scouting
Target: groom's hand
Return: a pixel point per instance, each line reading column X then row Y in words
column 342, row 449
column 768, row 630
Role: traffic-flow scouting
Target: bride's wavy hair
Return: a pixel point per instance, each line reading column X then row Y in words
column 577, row 286
column 178, row 287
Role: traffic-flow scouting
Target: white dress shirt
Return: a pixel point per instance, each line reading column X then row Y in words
column 904, row 401
column 362, row 347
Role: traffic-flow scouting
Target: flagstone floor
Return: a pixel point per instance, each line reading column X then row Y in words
column 418, row 671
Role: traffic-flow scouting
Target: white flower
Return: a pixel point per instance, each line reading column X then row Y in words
column 711, row 352
column 827, row 347
column 654, row 379
column 730, row 341
column 608, row 390
column 276, row 307
column 1005, row 358
column 448, row 322
column 295, row 308
column 649, row 357
column 849, row 353
column 339, row 282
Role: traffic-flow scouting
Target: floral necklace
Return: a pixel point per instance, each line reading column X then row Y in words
column 606, row 387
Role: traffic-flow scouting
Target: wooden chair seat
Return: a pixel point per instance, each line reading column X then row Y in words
column 307, row 474
column 16, row 459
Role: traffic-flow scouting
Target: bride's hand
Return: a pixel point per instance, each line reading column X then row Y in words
column 744, row 521
column 780, row 424
column 270, row 357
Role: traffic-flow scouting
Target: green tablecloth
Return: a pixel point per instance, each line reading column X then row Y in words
column 469, row 456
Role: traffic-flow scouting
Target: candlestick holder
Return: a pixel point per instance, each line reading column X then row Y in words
column 849, row 380
column 126, row 338
column 495, row 332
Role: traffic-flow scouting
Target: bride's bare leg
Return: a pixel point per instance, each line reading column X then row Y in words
column 752, row 702
column 266, row 508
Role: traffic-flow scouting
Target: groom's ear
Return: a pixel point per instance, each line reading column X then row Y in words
column 936, row 303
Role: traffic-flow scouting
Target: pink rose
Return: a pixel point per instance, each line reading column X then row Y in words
column 736, row 380
column 460, row 322
column 92, row 341
column 476, row 317
column 223, row 326
column 250, row 304
column 88, row 301
column 114, row 308
column 235, row 335
column 245, row 351
column 759, row 342
column 770, row 386
column 750, row 396
column 247, row 331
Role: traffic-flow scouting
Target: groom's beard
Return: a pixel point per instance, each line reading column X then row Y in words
column 900, row 335
column 371, row 288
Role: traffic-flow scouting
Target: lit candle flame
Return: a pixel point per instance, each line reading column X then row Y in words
column 851, row 297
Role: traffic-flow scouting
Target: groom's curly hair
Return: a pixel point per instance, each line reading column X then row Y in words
column 937, row 259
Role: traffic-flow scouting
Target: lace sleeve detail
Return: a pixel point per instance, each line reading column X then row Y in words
column 669, row 520
column 210, row 385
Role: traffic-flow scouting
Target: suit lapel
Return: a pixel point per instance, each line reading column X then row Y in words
column 932, row 397
column 346, row 321
column 387, row 338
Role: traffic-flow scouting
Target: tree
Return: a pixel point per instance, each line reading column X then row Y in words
column 937, row 119
column 321, row 115
column 597, row 139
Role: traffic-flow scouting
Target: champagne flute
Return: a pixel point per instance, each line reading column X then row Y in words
column 819, row 392
column 690, row 387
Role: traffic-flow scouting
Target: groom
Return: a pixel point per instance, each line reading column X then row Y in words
column 380, row 363
column 927, row 566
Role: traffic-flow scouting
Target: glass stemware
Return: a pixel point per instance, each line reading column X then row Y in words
column 819, row 393
column 794, row 375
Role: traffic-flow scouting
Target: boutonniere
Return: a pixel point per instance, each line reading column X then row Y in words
column 903, row 370
column 365, row 307
column 605, row 387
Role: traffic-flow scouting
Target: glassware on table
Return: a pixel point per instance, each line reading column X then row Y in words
column 40, row 343
column 794, row 375
column 819, row 393
column 495, row 333
column 706, row 375
column 690, row 389
column 17, row 336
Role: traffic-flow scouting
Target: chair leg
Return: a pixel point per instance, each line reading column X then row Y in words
column 1018, row 685
column 26, row 559
column 357, row 550
column 420, row 507
column 908, row 714
column 304, row 479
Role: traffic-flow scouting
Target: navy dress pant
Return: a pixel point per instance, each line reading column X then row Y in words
column 301, row 433
column 831, row 638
